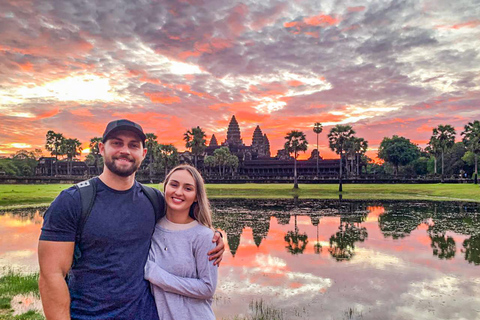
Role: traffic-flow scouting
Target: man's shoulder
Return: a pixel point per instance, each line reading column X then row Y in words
column 69, row 194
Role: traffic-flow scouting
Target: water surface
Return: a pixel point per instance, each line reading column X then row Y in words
column 322, row 259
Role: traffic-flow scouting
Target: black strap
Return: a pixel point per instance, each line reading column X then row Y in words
column 157, row 199
column 88, row 191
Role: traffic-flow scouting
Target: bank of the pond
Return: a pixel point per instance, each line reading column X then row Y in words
column 16, row 195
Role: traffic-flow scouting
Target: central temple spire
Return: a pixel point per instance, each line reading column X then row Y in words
column 233, row 133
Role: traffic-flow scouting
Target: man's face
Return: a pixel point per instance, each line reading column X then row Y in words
column 123, row 152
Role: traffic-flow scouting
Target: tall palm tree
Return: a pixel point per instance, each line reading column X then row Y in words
column 433, row 149
column 168, row 155
column 317, row 128
column 71, row 148
column 195, row 141
column 95, row 151
column 295, row 143
column 338, row 139
column 471, row 138
column 151, row 145
column 445, row 137
column 357, row 147
column 53, row 144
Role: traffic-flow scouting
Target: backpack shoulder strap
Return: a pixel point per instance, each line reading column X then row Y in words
column 157, row 199
column 88, row 190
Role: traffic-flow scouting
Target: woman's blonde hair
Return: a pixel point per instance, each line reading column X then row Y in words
column 201, row 211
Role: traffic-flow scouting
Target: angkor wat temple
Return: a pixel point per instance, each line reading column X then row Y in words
column 256, row 160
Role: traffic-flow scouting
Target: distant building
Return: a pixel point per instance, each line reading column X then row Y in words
column 256, row 161
column 46, row 167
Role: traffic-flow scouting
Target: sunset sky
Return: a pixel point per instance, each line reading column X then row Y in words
column 384, row 67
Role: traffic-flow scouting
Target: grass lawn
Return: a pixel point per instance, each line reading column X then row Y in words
column 16, row 195
column 12, row 284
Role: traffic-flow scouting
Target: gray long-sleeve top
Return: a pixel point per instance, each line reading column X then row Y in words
column 183, row 279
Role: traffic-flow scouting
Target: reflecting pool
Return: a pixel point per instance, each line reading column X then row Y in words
column 324, row 259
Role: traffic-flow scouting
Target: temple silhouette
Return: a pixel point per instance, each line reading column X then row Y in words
column 255, row 161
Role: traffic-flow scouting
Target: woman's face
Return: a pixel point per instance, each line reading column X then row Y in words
column 180, row 191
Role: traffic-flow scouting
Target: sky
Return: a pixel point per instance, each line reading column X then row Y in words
column 384, row 67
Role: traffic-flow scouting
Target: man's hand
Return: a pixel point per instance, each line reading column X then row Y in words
column 55, row 259
column 217, row 252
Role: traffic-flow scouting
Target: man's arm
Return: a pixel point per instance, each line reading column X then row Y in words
column 55, row 259
column 217, row 252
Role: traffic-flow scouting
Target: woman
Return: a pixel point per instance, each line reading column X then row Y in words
column 182, row 278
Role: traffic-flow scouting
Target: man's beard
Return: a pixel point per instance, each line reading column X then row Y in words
column 110, row 163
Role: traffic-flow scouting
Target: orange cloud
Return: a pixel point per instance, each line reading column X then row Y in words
column 162, row 97
column 424, row 128
column 295, row 83
column 356, row 9
column 251, row 117
column 186, row 54
column 47, row 114
column 469, row 24
column 83, row 112
column 322, row 20
column 234, row 106
column 27, row 66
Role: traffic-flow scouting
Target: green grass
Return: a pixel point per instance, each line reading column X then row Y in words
column 16, row 195
column 12, row 284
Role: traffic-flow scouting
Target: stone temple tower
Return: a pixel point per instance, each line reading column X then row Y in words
column 266, row 145
column 233, row 134
column 258, row 142
column 213, row 142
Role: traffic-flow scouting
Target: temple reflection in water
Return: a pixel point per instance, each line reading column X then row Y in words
column 316, row 259
column 396, row 221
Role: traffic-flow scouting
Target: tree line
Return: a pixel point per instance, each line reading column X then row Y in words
column 443, row 155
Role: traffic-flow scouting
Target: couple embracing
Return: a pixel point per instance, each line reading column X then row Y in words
column 130, row 255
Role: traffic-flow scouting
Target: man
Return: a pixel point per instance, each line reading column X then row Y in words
column 107, row 281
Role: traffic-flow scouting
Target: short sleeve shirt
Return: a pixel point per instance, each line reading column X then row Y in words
column 107, row 282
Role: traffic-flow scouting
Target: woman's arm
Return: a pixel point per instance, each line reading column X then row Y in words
column 201, row 288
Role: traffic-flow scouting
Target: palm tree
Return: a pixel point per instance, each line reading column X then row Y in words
column 195, row 141
column 433, row 149
column 356, row 147
column 445, row 137
column 53, row 144
column 209, row 163
column 221, row 158
column 71, row 148
column 168, row 155
column 317, row 128
column 95, row 151
column 232, row 163
column 295, row 143
column 151, row 145
column 338, row 139
column 471, row 138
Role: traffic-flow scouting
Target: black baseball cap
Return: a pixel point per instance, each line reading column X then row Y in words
column 124, row 124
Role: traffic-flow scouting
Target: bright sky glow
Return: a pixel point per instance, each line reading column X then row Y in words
column 75, row 88
column 21, row 145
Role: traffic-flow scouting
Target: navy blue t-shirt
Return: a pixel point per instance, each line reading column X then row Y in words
column 107, row 282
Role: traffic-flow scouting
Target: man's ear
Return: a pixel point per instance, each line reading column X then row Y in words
column 144, row 152
column 101, row 148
